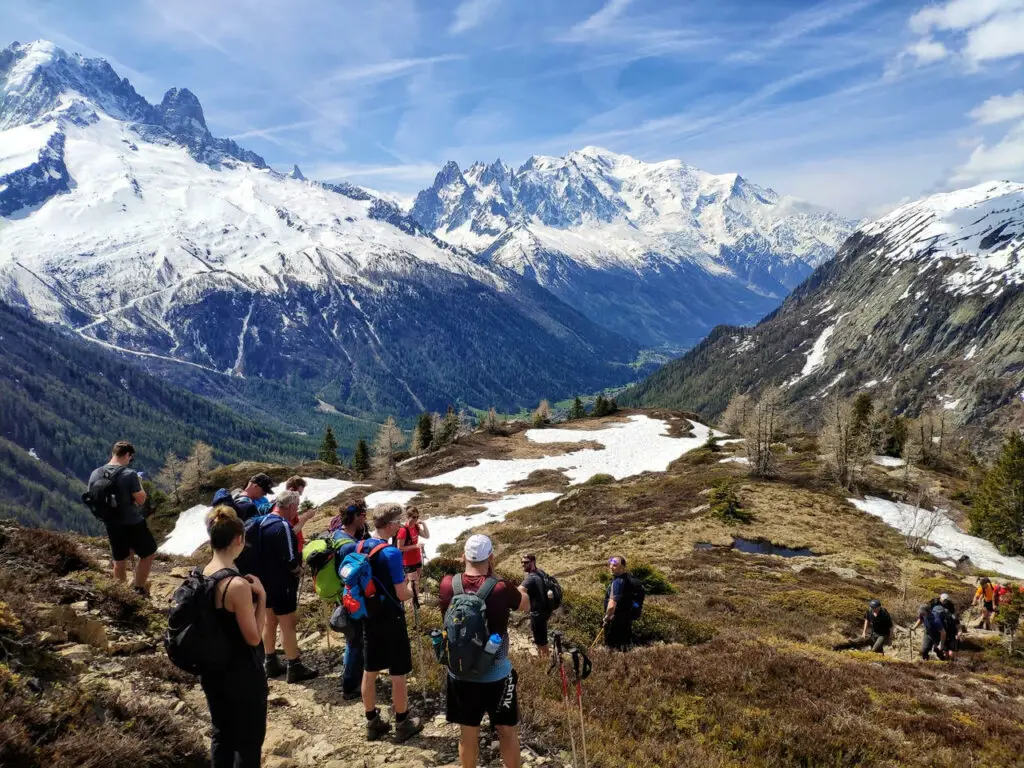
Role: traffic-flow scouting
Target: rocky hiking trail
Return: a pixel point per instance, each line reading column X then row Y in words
column 308, row 724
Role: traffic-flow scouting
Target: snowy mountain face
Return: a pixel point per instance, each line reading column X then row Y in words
column 924, row 308
column 659, row 251
column 132, row 224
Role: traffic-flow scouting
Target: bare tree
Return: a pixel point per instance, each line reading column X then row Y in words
column 542, row 415
column 735, row 416
column 846, row 447
column 172, row 476
column 762, row 427
column 491, row 423
column 929, row 436
column 197, row 465
column 389, row 441
column 466, row 425
column 919, row 522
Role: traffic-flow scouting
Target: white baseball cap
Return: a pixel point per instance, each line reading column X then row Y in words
column 478, row 548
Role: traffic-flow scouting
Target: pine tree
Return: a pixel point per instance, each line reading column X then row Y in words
column 389, row 441
column 171, row 476
column 329, row 448
column 423, row 435
column 613, row 406
column 862, row 411
column 449, row 430
column 600, row 407
column 997, row 513
column 361, row 458
column 578, row 411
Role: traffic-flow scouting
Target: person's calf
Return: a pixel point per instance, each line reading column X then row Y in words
column 508, row 744
column 142, row 571
column 469, row 746
column 120, row 570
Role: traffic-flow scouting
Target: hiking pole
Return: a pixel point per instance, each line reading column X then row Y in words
column 582, row 668
column 600, row 634
column 557, row 637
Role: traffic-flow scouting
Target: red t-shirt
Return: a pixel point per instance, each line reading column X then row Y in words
column 504, row 599
column 410, row 534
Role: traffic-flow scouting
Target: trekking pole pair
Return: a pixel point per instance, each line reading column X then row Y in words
column 581, row 668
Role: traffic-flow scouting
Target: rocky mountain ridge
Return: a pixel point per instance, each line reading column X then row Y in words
column 660, row 252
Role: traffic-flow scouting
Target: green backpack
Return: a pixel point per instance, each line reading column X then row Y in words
column 321, row 556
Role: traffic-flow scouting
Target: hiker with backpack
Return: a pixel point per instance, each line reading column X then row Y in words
column 986, row 595
column 545, row 596
column 476, row 607
column 878, row 620
column 244, row 502
column 298, row 484
column 935, row 637
column 116, row 497
column 376, row 587
column 623, row 604
column 228, row 654
column 408, row 543
column 272, row 554
column 343, row 542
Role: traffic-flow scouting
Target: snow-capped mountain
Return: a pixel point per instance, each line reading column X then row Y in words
column 131, row 223
column 924, row 308
column 658, row 251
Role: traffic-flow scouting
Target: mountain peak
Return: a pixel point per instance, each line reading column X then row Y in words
column 181, row 105
column 297, row 173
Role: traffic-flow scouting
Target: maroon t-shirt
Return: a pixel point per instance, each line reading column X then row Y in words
column 504, row 599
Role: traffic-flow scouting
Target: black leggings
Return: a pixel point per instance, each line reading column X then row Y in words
column 238, row 709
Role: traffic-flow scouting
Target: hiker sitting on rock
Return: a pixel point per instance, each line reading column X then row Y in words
column 878, row 620
column 237, row 693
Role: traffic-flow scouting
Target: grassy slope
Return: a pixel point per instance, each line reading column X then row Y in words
column 766, row 690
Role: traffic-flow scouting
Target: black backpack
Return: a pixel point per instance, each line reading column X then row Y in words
column 194, row 641
column 550, row 584
column 637, row 593
column 250, row 558
column 103, row 497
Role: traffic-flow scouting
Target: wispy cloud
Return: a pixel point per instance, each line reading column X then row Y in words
column 386, row 70
column 414, row 172
column 999, row 109
column 471, row 14
column 599, row 22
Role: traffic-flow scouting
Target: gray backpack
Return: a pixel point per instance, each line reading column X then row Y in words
column 465, row 627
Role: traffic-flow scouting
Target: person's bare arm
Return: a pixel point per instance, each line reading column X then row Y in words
column 403, row 591
column 524, row 602
column 424, row 531
column 238, row 600
column 139, row 496
column 864, row 633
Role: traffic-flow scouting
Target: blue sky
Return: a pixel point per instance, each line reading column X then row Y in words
column 856, row 104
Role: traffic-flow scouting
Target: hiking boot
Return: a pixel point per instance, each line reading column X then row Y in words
column 351, row 695
column 408, row 728
column 377, row 728
column 274, row 666
column 297, row 672
column 141, row 591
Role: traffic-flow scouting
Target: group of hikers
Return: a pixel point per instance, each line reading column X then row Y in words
column 225, row 619
column 942, row 626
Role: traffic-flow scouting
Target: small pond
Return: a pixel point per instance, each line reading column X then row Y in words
column 757, row 547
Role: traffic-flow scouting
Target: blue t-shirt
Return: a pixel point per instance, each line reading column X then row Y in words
column 387, row 566
column 620, row 592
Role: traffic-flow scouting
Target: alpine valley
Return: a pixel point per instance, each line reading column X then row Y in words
column 924, row 308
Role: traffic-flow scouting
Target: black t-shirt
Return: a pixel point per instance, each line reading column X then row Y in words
column 534, row 586
column 880, row 624
column 128, row 482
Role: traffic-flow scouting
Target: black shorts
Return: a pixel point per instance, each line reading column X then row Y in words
column 990, row 606
column 413, row 568
column 282, row 592
column 539, row 627
column 467, row 702
column 125, row 539
column 386, row 645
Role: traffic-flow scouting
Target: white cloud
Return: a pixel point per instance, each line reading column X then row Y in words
column 999, row 38
column 960, row 14
column 600, row 21
column 412, row 172
column 928, row 51
column 1002, row 160
column 999, row 109
column 471, row 14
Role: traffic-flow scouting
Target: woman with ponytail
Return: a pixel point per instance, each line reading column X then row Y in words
column 237, row 694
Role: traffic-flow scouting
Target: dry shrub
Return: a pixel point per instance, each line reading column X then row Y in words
column 439, row 567
column 580, row 620
column 57, row 552
column 158, row 667
column 115, row 600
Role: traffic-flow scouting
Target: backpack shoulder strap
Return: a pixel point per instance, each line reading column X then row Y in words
column 359, row 546
column 457, row 585
column 377, row 549
column 488, row 586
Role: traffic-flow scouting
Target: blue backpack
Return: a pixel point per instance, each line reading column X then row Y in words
column 356, row 574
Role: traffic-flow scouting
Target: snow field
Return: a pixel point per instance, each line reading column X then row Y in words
column 948, row 542
column 446, row 530
column 638, row 445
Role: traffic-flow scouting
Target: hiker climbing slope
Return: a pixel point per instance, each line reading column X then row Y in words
column 986, row 595
column 623, row 603
column 116, row 497
column 481, row 680
column 934, row 632
column 878, row 620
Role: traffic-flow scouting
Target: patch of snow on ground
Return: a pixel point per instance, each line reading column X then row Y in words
column 33, row 454
column 190, row 528
column 871, row 384
column 888, row 461
column 948, row 542
column 390, row 497
column 816, row 355
column 446, row 530
column 630, row 448
column 735, row 460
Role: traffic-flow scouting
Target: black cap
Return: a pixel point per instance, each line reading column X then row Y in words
column 263, row 481
column 875, row 604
